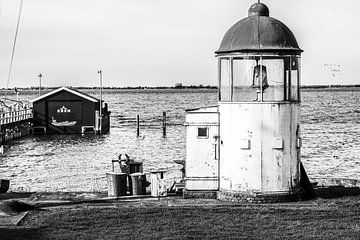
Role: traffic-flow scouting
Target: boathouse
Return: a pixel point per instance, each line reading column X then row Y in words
column 66, row 110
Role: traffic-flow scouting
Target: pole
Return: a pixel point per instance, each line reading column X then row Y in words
column 261, row 79
column 164, row 124
column 137, row 125
column 40, row 76
column 100, row 111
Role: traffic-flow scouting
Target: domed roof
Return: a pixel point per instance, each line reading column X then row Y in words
column 260, row 33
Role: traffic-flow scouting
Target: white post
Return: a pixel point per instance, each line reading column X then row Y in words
column 40, row 76
column 100, row 110
column 97, row 120
column 261, row 79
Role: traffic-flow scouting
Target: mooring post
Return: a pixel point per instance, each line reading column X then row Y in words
column 137, row 125
column 164, row 124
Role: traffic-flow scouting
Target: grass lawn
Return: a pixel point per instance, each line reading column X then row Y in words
column 327, row 219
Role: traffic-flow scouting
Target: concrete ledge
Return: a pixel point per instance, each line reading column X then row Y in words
column 209, row 194
column 249, row 197
column 326, row 182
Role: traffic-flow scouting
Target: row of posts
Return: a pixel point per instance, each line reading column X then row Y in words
column 163, row 125
column 15, row 116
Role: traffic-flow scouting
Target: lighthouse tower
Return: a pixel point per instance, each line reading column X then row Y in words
column 247, row 148
column 259, row 99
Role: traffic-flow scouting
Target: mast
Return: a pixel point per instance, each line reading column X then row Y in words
column 14, row 45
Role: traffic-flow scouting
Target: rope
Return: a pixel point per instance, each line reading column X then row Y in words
column 14, row 45
column 1, row 3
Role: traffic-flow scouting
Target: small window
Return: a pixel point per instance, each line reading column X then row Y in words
column 203, row 132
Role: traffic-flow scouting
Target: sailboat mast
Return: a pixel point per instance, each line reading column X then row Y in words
column 14, row 45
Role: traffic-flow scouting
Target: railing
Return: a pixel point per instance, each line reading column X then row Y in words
column 15, row 115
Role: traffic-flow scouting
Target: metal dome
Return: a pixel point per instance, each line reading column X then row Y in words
column 259, row 33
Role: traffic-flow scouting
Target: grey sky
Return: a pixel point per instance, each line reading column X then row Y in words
column 163, row 42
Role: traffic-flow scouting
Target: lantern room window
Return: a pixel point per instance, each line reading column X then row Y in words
column 259, row 78
column 225, row 76
column 295, row 79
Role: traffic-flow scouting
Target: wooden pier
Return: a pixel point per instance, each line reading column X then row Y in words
column 15, row 122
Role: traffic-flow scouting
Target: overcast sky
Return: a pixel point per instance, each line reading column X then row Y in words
column 163, row 42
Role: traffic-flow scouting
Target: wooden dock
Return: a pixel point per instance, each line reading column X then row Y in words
column 15, row 122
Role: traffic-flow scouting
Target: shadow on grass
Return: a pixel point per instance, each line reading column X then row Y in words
column 195, row 222
column 5, row 196
column 20, row 233
column 336, row 192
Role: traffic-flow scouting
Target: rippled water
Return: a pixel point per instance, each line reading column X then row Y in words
column 330, row 130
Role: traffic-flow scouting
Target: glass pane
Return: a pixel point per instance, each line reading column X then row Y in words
column 294, row 79
column 287, row 62
column 274, row 72
column 225, row 79
column 243, row 71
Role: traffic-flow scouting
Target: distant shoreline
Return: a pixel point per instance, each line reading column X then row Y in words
column 355, row 87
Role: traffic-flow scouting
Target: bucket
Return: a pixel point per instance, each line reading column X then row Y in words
column 138, row 181
column 116, row 184
column 4, row 185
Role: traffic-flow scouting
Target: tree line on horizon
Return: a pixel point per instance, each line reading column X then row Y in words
column 15, row 89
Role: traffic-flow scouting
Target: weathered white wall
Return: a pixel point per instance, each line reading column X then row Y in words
column 202, row 154
column 258, row 147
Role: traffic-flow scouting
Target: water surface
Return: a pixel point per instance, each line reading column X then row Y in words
column 330, row 130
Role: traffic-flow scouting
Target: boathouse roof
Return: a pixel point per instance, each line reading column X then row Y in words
column 70, row 90
column 259, row 33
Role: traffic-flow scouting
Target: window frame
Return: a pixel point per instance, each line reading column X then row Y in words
column 287, row 85
column 202, row 137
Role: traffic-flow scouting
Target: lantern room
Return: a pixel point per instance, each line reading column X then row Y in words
column 260, row 77
column 259, row 60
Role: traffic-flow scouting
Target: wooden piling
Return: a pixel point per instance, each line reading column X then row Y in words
column 164, row 124
column 138, row 125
